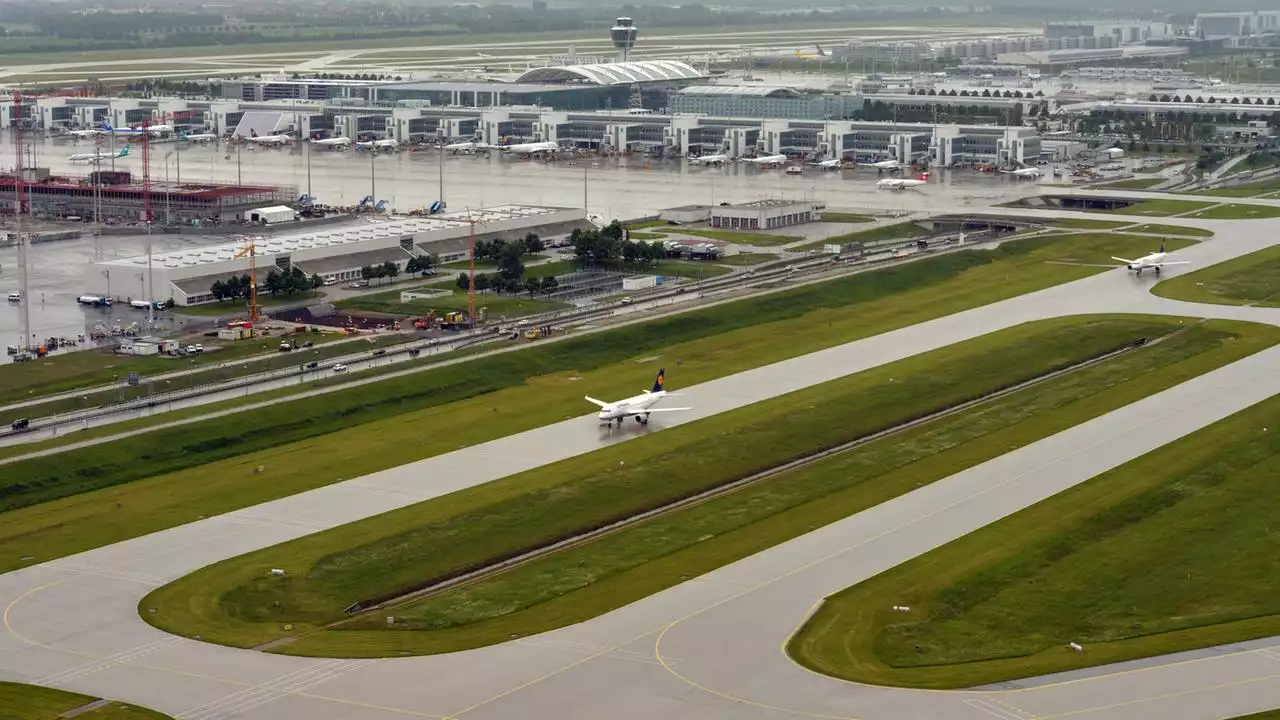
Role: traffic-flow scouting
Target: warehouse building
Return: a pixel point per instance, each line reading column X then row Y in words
column 765, row 214
column 187, row 275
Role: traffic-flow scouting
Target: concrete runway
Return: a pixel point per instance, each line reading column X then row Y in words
column 707, row 649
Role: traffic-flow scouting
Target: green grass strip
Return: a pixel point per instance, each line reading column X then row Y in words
column 1163, row 554
column 1158, row 229
column 1252, row 279
column 1237, row 211
column 235, row 601
column 31, row 702
column 134, row 486
column 899, row 231
column 1161, row 208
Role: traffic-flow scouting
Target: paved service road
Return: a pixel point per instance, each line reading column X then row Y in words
column 704, row 650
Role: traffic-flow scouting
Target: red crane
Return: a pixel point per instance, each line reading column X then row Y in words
column 148, row 212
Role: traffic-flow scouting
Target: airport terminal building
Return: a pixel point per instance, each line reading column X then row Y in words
column 335, row 254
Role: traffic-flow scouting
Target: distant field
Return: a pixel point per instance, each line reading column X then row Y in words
column 31, row 702
column 1086, row 223
column 1248, row 190
column 1133, row 184
column 1158, row 229
column 1252, row 279
column 1162, row 208
column 839, row 217
column 900, row 231
column 743, row 237
column 1237, row 211
column 747, row 259
column 1161, row 555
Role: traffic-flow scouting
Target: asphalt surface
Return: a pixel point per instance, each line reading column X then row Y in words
column 709, row 648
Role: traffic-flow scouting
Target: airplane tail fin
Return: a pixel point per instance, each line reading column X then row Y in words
column 123, row 151
column 1161, row 246
column 924, row 176
column 106, row 125
column 658, row 381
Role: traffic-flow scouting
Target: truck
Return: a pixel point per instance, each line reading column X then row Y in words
column 94, row 300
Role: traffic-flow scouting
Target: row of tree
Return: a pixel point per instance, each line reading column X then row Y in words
column 495, row 282
column 494, row 250
column 608, row 247
column 287, row 283
column 1212, row 100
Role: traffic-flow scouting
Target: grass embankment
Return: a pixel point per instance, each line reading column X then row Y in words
column 30, row 702
column 743, row 237
column 1269, row 715
column 275, row 360
column 1254, row 189
column 1086, row 223
column 171, row 476
column 240, row 309
column 1238, row 211
column 644, row 224
column 1132, row 183
column 839, row 217
column 65, row 372
column 237, row 602
column 748, row 259
column 1162, row 208
column 1163, row 554
column 884, row 233
column 494, row 305
column 1252, row 279
column 1158, row 229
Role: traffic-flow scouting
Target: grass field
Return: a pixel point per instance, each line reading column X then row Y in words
column 236, row 602
column 839, row 217
column 1163, row 554
column 171, row 476
column 1162, row 208
column 239, row 308
column 748, row 259
column 1252, row 279
column 642, row 235
column 30, row 702
column 1158, row 229
column 1086, row 223
column 1254, row 189
column 1237, row 211
column 743, row 237
column 645, row 224
column 1133, row 183
column 325, row 349
column 898, row 231
column 91, row 368
column 1269, row 715
column 497, row 305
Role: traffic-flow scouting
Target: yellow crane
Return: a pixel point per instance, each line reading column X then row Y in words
column 251, row 249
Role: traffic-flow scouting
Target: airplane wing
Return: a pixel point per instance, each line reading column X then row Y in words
column 601, row 403
column 1127, row 262
column 654, row 410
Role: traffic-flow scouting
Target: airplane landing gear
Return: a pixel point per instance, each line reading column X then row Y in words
column 1157, row 269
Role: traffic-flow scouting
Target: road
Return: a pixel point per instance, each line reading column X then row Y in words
column 709, row 648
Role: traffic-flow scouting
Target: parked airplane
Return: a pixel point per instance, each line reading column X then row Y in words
column 136, row 132
column 1029, row 172
column 532, row 148
column 279, row 139
column 766, row 160
column 832, row 164
column 902, row 183
column 468, row 148
column 198, row 137
column 335, row 142
column 887, row 165
column 1155, row 260
column 98, row 156
column 717, row 159
column 85, row 133
column 638, row 406
column 387, row 144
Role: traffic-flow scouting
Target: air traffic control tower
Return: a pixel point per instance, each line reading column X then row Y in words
column 623, row 33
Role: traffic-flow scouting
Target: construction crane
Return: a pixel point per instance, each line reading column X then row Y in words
column 251, row 249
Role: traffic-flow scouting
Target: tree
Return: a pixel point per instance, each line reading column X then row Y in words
column 317, row 282
column 464, row 281
column 532, row 285
column 509, row 265
column 272, row 283
column 390, row 270
column 366, row 273
column 533, row 244
column 218, row 290
column 549, row 284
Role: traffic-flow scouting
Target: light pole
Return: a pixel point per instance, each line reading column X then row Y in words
column 308, row 152
column 168, row 215
column 373, row 187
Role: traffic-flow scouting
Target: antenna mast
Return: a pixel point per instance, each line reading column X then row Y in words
column 471, row 286
column 21, row 205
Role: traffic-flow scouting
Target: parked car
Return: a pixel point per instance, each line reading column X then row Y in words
column 339, row 369
column 313, row 365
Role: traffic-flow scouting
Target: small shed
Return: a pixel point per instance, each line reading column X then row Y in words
column 273, row 214
column 1114, row 153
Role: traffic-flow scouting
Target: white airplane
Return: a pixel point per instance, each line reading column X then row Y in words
column 532, row 148
column 886, row 165
column 1155, row 260
column 268, row 139
column 85, row 133
column 638, row 406
column 902, row 183
column 718, row 159
column 336, row 142
column 467, row 148
column 198, row 137
column 98, row 156
column 832, row 164
column 136, row 132
column 387, row 144
column 766, row 160
column 1029, row 172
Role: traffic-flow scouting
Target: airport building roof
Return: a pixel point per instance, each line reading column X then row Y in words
column 335, row 239
column 742, row 91
column 624, row 73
